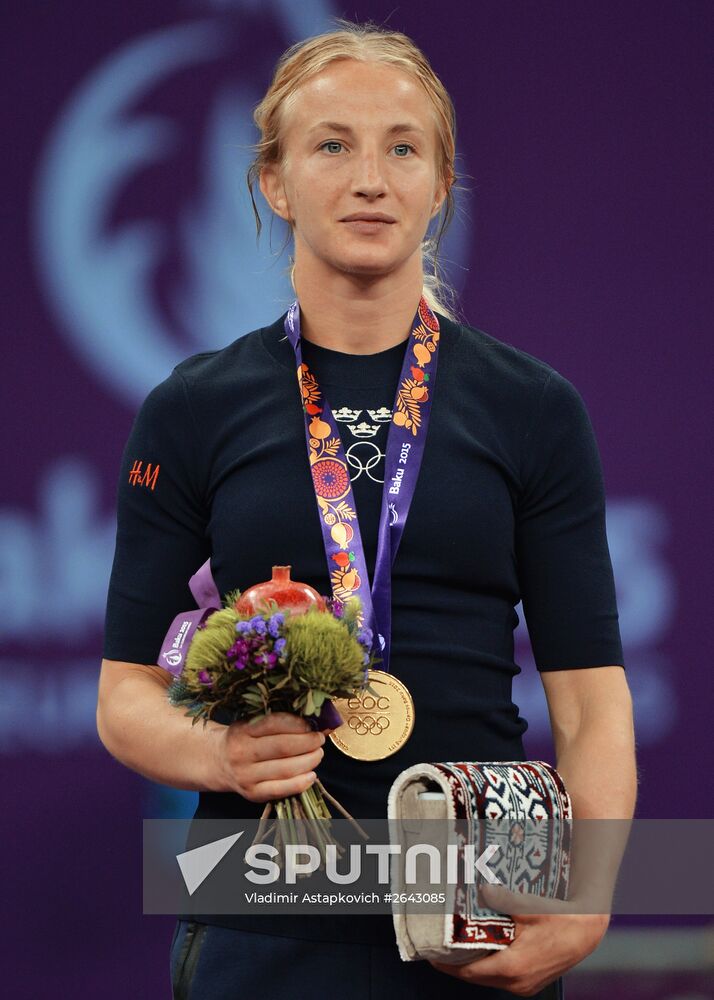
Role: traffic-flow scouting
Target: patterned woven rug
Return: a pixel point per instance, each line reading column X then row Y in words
column 522, row 807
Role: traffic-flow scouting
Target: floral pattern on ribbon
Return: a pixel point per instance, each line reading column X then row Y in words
column 414, row 392
column 331, row 480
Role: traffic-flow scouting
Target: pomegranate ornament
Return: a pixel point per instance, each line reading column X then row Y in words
column 288, row 595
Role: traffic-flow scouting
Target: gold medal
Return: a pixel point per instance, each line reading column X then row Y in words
column 376, row 725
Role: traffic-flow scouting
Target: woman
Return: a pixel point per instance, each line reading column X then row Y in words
column 357, row 156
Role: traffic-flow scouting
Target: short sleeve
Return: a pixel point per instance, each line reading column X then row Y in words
column 161, row 526
column 563, row 560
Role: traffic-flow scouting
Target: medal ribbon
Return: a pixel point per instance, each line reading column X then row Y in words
column 411, row 411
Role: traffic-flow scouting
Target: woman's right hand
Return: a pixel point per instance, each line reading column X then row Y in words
column 268, row 759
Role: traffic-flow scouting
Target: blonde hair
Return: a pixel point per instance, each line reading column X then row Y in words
column 365, row 42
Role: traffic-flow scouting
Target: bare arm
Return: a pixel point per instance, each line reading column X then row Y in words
column 593, row 731
column 141, row 729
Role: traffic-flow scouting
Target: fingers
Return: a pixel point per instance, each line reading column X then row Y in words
column 282, row 789
column 287, row 767
column 278, row 735
column 277, row 722
column 275, row 747
column 272, row 757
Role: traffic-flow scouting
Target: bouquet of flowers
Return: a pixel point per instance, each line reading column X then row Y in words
column 256, row 656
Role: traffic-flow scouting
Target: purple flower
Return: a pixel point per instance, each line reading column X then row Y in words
column 239, row 652
column 205, row 678
column 365, row 658
column 243, row 627
column 337, row 607
column 280, row 644
column 275, row 624
column 258, row 624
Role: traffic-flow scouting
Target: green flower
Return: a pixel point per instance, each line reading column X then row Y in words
column 322, row 654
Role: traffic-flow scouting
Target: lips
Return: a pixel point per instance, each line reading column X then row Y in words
column 369, row 217
column 368, row 227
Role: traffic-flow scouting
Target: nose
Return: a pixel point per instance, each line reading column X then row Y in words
column 369, row 178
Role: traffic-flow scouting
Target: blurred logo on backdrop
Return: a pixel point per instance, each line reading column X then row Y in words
column 144, row 227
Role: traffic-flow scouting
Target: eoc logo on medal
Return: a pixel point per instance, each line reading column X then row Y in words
column 371, row 720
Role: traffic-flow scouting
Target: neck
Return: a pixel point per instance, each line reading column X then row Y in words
column 357, row 314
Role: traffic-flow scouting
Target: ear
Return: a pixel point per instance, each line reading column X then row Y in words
column 439, row 197
column 438, row 201
column 273, row 190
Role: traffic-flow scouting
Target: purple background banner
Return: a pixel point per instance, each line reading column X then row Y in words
column 130, row 244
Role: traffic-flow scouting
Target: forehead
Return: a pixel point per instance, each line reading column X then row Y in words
column 361, row 93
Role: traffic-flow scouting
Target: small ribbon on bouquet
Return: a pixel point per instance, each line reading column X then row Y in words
column 184, row 626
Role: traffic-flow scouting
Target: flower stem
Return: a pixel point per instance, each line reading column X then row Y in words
column 341, row 808
column 277, row 843
column 291, row 824
column 308, row 800
column 300, row 821
column 263, row 822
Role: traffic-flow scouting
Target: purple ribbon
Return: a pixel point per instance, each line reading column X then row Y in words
column 183, row 628
column 203, row 587
column 331, row 480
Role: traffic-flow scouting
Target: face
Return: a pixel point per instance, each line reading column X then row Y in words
column 360, row 143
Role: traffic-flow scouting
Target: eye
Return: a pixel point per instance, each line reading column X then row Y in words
column 331, row 142
column 404, row 146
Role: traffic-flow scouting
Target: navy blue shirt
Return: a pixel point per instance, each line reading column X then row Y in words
column 509, row 506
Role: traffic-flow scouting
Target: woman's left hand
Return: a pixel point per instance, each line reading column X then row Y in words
column 546, row 944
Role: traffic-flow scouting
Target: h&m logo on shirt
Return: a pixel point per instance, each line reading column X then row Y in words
column 140, row 476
